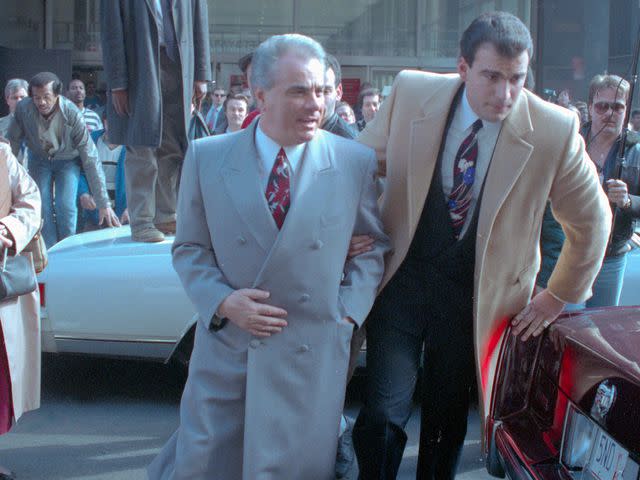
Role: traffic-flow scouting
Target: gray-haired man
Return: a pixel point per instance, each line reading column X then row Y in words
column 264, row 223
column 14, row 91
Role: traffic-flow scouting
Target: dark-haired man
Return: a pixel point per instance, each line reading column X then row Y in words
column 370, row 106
column 58, row 141
column 471, row 160
column 216, row 112
column 78, row 95
column 333, row 94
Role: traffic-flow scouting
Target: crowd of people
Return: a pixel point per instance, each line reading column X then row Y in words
column 74, row 208
column 296, row 243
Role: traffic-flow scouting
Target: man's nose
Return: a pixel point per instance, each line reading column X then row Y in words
column 503, row 91
column 316, row 102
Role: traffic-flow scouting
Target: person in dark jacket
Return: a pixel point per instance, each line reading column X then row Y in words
column 607, row 104
column 156, row 58
column 332, row 95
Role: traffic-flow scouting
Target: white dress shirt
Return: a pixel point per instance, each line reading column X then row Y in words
column 268, row 151
column 460, row 128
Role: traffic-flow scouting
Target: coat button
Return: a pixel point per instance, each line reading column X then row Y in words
column 242, row 240
column 317, row 245
column 304, row 298
column 303, row 348
column 254, row 343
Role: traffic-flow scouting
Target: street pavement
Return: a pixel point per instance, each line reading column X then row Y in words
column 107, row 419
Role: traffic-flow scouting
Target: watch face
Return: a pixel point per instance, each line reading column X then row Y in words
column 217, row 323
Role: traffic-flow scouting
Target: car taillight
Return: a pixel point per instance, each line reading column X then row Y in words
column 578, row 439
column 41, row 289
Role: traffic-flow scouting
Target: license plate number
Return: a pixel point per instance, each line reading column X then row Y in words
column 608, row 459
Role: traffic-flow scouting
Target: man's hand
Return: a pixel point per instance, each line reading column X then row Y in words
column 108, row 217
column 124, row 218
column 541, row 312
column 244, row 308
column 5, row 238
column 360, row 244
column 617, row 192
column 87, row 202
column 199, row 89
column 120, row 99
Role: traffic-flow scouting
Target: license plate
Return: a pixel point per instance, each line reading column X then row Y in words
column 608, row 459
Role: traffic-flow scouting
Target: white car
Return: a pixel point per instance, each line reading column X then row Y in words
column 103, row 294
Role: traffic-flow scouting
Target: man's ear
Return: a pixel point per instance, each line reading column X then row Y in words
column 260, row 98
column 463, row 68
column 339, row 92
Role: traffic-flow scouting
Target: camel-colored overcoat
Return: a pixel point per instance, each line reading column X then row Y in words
column 539, row 156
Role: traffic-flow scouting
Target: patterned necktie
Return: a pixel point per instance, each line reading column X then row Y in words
column 279, row 188
column 464, row 170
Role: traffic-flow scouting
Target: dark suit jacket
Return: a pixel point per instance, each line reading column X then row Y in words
column 338, row 126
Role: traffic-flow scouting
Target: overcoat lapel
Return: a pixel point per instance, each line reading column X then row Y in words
column 152, row 9
column 242, row 181
column 426, row 138
column 509, row 158
column 312, row 184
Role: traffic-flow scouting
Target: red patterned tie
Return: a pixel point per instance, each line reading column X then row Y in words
column 464, row 172
column 278, row 189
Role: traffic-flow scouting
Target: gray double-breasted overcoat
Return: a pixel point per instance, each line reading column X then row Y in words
column 270, row 408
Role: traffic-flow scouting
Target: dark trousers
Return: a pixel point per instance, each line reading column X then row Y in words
column 404, row 319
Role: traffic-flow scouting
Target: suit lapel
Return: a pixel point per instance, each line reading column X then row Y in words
column 509, row 158
column 312, row 184
column 242, row 181
column 427, row 133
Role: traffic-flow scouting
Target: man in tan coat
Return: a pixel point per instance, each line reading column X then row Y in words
column 471, row 160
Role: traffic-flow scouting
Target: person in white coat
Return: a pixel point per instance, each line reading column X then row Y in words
column 264, row 224
column 20, row 317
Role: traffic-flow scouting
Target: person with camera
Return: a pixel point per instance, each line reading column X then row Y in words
column 608, row 96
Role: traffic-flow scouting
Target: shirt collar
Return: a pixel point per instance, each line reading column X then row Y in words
column 466, row 116
column 268, row 149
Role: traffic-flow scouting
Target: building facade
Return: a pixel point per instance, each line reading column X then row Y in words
column 373, row 39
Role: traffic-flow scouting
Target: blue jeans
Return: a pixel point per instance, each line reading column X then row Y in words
column 62, row 177
column 608, row 285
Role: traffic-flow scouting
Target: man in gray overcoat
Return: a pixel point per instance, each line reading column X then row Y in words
column 156, row 57
column 264, row 224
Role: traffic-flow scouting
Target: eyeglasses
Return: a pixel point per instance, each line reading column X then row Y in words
column 603, row 107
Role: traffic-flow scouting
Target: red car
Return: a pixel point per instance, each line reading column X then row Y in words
column 566, row 405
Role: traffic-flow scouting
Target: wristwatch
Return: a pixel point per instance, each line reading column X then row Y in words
column 217, row 323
